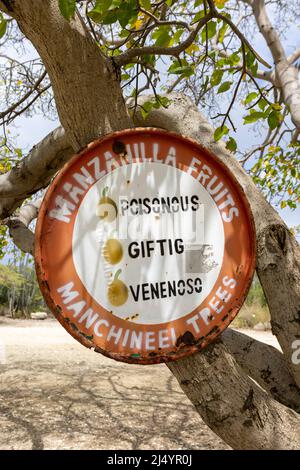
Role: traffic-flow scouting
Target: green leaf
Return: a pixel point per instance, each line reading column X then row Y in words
column 276, row 107
column 292, row 205
column 224, row 87
column 222, row 32
column 109, row 12
column 125, row 76
column 250, row 58
column 3, row 26
column 262, row 104
column 211, row 29
column 220, row 132
column 161, row 101
column 162, row 37
column 100, row 9
column 185, row 70
column 234, row 58
column 146, row 4
column 67, row 8
column 283, row 204
column 231, row 144
column 158, row 103
column 254, row 68
column 126, row 12
column 274, row 119
column 112, row 17
column 253, row 117
column 198, row 16
column 146, row 108
column 216, row 77
column 177, row 35
column 252, row 96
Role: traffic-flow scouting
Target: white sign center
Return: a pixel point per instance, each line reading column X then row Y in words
column 148, row 242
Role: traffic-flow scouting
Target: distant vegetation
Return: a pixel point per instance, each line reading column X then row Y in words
column 255, row 309
column 19, row 291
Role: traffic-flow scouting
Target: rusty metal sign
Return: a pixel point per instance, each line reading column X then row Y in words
column 145, row 246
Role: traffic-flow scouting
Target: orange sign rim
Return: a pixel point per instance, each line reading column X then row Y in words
column 182, row 351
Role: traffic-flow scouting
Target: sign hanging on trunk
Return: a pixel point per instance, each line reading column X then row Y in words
column 145, row 246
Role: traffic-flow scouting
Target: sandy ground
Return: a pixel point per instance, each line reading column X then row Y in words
column 56, row 394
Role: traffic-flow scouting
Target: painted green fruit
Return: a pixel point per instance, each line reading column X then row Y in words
column 113, row 251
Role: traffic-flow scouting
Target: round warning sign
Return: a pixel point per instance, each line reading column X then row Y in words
column 145, row 246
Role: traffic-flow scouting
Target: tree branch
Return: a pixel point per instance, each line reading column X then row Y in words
column 34, row 88
column 266, row 365
column 91, row 68
column 238, row 33
column 159, row 22
column 18, row 226
column 127, row 56
column 261, row 74
column 27, row 106
column 34, row 171
column 294, row 57
column 232, row 405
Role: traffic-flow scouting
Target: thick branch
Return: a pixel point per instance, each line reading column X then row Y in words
column 294, row 56
column 239, row 411
column 33, row 172
column 266, row 365
column 18, row 226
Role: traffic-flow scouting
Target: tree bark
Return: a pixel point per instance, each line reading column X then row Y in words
column 264, row 364
column 233, row 406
